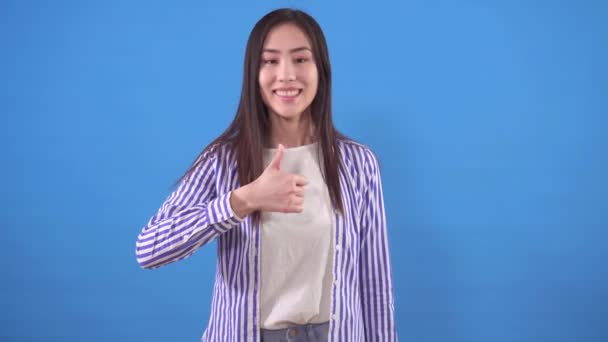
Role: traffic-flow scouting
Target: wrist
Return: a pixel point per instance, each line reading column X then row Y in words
column 241, row 201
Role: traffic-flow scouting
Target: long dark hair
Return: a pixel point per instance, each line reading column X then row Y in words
column 249, row 129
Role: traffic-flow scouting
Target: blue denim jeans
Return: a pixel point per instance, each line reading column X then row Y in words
column 297, row 333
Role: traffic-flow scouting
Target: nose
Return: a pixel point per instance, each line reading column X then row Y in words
column 286, row 72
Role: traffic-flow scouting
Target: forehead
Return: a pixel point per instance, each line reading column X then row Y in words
column 286, row 37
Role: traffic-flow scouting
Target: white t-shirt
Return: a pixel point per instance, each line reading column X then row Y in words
column 297, row 249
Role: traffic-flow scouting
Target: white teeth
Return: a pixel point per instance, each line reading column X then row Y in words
column 287, row 92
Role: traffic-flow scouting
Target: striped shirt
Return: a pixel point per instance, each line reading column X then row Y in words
column 198, row 211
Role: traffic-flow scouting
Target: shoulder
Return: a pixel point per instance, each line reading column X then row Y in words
column 358, row 156
column 207, row 162
column 216, row 152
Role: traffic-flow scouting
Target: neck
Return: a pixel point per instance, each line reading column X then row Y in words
column 291, row 133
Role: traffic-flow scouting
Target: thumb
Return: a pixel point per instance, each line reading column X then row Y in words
column 278, row 157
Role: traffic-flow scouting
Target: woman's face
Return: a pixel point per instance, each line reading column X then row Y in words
column 288, row 74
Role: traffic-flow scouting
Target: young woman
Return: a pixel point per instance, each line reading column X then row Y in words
column 296, row 208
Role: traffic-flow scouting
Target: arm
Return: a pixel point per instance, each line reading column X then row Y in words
column 375, row 274
column 190, row 217
column 194, row 214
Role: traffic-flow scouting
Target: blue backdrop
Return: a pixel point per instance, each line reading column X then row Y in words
column 489, row 118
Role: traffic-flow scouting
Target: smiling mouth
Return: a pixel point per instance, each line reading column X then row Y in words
column 287, row 94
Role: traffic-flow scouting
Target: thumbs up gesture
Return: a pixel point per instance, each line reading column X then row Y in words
column 274, row 190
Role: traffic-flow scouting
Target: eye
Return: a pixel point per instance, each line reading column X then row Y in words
column 301, row 60
column 269, row 61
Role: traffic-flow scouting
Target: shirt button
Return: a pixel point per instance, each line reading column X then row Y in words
column 338, row 248
column 333, row 316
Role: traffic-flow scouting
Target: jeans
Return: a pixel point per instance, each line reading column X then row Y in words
column 298, row 333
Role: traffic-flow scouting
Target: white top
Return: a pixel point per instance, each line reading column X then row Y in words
column 297, row 249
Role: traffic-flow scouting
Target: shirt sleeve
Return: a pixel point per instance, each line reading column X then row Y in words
column 375, row 273
column 192, row 216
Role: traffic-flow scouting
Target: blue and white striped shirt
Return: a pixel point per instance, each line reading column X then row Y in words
column 198, row 211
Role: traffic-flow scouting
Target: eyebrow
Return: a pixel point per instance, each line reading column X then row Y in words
column 298, row 49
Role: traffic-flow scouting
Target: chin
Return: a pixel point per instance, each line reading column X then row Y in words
column 288, row 114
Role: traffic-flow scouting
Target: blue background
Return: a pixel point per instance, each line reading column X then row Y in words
column 489, row 118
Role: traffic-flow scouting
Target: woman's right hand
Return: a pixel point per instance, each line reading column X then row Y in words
column 274, row 190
